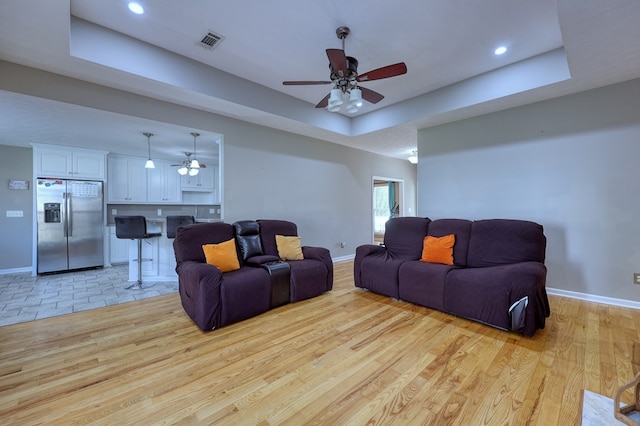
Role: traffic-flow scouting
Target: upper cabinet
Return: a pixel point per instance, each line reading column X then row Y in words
column 68, row 163
column 127, row 180
column 204, row 181
column 163, row 183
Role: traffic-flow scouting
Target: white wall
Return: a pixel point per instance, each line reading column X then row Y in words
column 323, row 187
column 15, row 232
column 571, row 164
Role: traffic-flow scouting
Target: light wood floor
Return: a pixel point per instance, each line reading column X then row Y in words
column 347, row 357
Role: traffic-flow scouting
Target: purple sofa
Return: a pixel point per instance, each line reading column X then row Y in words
column 498, row 276
column 213, row 299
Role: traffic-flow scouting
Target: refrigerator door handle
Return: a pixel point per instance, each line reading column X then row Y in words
column 69, row 215
column 65, row 215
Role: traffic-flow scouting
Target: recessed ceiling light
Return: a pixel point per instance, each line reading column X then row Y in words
column 136, row 8
column 500, row 50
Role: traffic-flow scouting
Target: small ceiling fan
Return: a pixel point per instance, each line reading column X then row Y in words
column 189, row 166
column 345, row 78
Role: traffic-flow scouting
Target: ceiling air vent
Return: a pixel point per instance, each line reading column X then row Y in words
column 211, row 40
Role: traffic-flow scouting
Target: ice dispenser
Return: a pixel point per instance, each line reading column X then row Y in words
column 51, row 212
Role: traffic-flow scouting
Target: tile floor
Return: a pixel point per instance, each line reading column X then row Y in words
column 24, row 297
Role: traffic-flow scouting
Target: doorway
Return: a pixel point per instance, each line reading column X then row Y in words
column 387, row 202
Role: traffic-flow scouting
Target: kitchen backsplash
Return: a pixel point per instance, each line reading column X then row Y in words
column 157, row 211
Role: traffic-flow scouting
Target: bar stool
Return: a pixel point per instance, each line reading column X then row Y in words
column 174, row 221
column 134, row 228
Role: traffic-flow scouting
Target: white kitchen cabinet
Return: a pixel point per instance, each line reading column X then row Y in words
column 204, row 181
column 118, row 248
column 127, row 180
column 163, row 183
column 68, row 163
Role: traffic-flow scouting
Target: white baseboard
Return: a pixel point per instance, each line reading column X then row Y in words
column 594, row 298
column 15, row 270
column 343, row 258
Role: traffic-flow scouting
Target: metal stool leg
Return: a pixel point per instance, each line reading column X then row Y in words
column 138, row 284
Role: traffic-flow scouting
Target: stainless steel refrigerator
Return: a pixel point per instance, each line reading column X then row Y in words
column 70, row 224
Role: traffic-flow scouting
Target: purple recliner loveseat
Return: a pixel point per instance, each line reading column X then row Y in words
column 497, row 277
column 213, row 299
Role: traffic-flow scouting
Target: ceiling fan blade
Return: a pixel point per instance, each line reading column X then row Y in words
column 384, row 72
column 324, row 102
column 370, row 95
column 304, row 83
column 338, row 61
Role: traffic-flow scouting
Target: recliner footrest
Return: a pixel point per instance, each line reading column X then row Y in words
column 280, row 288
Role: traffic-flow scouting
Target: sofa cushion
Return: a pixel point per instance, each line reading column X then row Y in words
column 244, row 293
column 461, row 228
column 190, row 238
column 222, row 255
column 486, row 294
column 403, row 236
column 423, row 283
column 504, row 241
column 289, row 248
column 438, row 249
column 248, row 238
column 269, row 228
column 308, row 279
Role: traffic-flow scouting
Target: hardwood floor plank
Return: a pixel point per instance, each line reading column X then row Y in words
column 347, row 357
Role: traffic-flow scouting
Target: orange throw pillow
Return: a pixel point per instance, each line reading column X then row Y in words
column 438, row 249
column 289, row 248
column 223, row 255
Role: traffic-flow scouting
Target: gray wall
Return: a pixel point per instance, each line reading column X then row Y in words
column 571, row 164
column 15, row 232
column 325, row 188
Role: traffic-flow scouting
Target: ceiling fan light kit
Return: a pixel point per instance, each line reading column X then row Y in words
column 190, row 167
column 344, row 78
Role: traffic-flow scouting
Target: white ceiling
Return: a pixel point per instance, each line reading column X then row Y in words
column 555, row 48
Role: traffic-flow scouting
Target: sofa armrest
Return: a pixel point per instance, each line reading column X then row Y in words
column 199, row 285
column 362, row 252
column 323, row 255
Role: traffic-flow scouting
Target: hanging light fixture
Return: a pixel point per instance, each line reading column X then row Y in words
column 195, row 165
column 191, row 167
column 413, row 158
column 149, row 164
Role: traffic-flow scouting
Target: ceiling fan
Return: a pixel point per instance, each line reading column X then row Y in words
column 189, row 166
column 345, row 78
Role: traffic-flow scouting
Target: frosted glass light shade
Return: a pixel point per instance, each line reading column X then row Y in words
column 195, row 164
column 355, row 97
column 183, row 171
column 149, row 164
column 193, row 172
column 335, row 99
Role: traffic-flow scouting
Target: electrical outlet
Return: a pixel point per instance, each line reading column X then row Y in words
column 159, row 212
column 211, row 211
column 636, row 277
column 114, row 212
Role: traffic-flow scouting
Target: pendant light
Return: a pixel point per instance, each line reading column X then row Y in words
column 149, row 164
column 195, row 165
